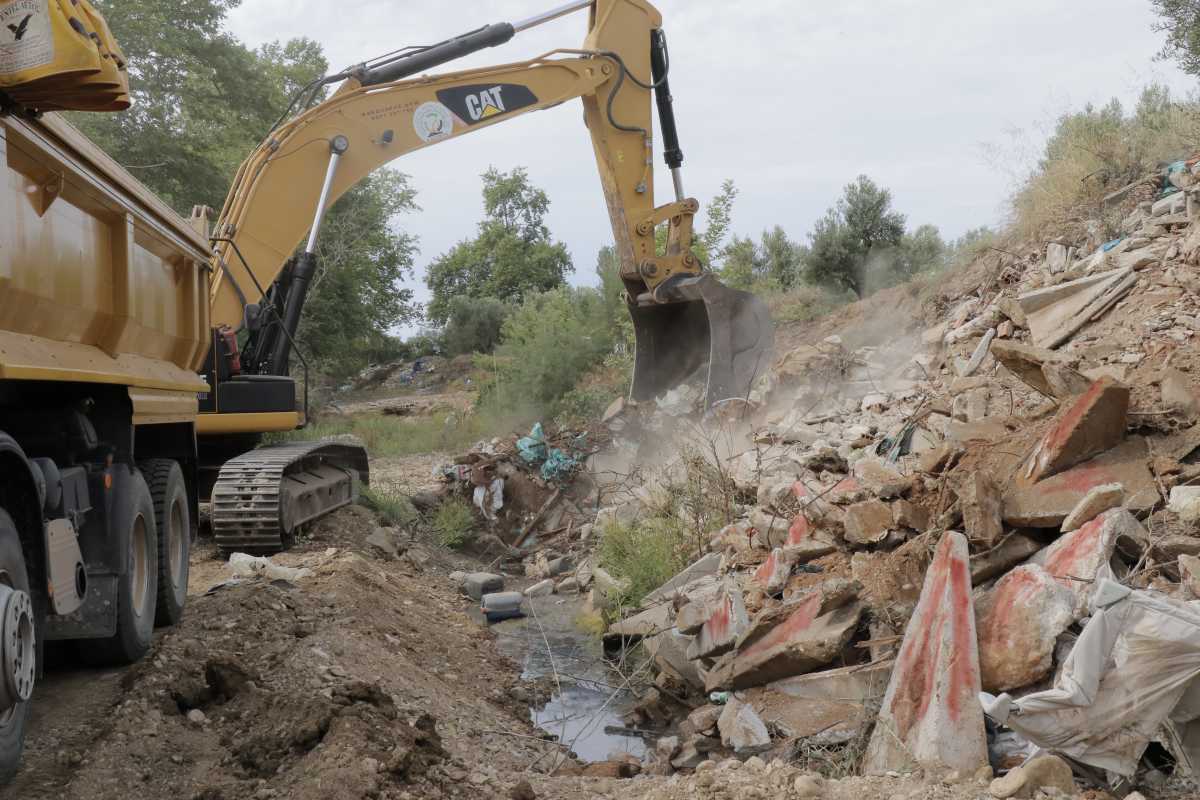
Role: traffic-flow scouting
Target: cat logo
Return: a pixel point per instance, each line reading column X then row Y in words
column 479, row 103
column 489, row 103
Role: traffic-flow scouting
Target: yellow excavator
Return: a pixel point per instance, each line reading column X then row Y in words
column 266, row 239
column 144, row 356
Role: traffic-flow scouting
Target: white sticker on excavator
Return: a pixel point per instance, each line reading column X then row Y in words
column 26, row 38
column 433, row 121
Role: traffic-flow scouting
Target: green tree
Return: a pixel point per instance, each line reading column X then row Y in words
column 858, row 236
column 513, row 255
column 201, row 100
column 923, row 250
column 612, row 292
column 356, row 295
column 1180, row 21
column 474, row 325
column 774, row 263
column 548, row 344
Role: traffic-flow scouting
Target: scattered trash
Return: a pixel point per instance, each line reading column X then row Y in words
column 243, row 565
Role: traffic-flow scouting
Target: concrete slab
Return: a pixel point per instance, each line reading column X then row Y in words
column 801, row 643
column 981, row 504
column 723, row 627
column 648, row 622
column 1079, row 559
column 831, row 706
column 669, row 651
column 1013, row 550
column 1020, row 620
column 704, row 566
column 806, row 542
column 772, row 575
column 1098, row 500
column 1092, row 424
column 742, row 730
column 868, row 522
column 931, row 715
column 1047, row 503
column 702, row 599
column 1055, row 313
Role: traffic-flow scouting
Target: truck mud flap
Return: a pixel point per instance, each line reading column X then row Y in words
column 696, row 320
column 95, row 619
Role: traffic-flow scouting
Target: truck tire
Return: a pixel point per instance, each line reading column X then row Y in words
column 137, row 589
column 169, row 493
column 12, row 722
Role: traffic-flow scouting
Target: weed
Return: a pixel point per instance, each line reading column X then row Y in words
column 394, row 509
column 645, row 555
column 454, row 522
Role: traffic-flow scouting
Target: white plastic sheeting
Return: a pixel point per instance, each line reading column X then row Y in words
column 1129, row 679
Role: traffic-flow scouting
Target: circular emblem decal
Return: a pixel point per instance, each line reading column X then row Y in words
column 433, row 120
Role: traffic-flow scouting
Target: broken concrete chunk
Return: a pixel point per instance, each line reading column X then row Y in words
column 1025, row 362
column 931, row 713
column 704, row 566
column 1012, row 550
column 1058, row 257
column 832, row 705
column 1047, row 503
column 940, row 458
column 1189, row 574
column 1064, row 382
column 1057, row 312
column 807, row 542
column 868, row 522
column 645, row 623
column 981, row 351
column 1177, row 393
column 831, row 594
column 981, row 506
column 1020, row 620
column 704, row 719
column 1078, row 560
column 476, row 584
column 1094, row 423
column 722, row 629
column 742, row 730
column 881, row 479
column 1098, row 500
column 1185, row 502
column 799, row 644
column 772, row 575
column 541, row 588
column 1043, row 775
column 1010, row 308
column 907, row 514
column 669, row 651
column 699, row 602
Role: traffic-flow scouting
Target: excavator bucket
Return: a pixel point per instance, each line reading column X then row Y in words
column 697, row 320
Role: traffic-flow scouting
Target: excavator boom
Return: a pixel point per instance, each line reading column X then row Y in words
column 683, row 317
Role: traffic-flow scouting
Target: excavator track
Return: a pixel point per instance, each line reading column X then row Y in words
column 261, row 497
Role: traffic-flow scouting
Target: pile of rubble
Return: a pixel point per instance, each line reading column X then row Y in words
column 1006, row 503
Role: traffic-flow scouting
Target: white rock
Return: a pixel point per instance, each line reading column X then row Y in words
column 1098, row 500
column 541, row 589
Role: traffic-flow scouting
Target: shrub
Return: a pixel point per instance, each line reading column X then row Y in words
column 474, row 325
column 806, row 303
column 393, row 508
column 454, row 522
column 1096, row 151
column 548, row 344
column 646, row 555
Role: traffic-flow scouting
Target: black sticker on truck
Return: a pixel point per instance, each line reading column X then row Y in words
column 480, row 102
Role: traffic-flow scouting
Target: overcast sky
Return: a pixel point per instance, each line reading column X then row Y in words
column 946, row 102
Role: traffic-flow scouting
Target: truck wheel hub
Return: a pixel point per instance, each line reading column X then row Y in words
column 17, row 651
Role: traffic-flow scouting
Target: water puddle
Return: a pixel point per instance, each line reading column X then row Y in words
column 591, row 698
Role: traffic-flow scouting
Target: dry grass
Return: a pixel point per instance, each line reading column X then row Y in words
column 1096, row 151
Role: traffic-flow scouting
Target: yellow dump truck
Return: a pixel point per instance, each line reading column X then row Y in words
column 104, row 328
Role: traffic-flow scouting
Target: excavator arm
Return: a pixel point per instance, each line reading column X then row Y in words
column 267, row 232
